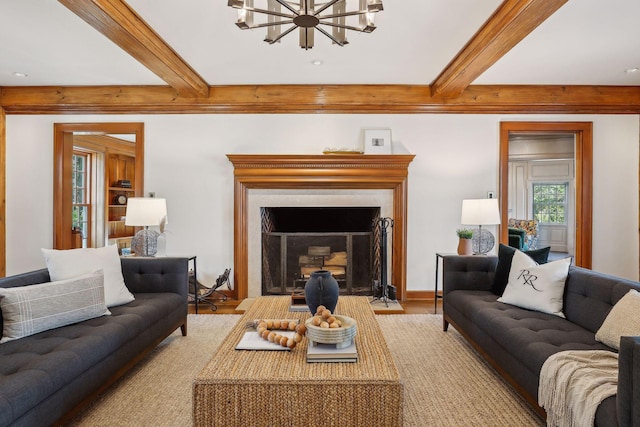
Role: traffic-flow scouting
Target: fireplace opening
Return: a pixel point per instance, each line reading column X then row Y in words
column 297, row 241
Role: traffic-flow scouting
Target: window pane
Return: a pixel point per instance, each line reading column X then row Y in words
column 550, row 202
column 81, row 213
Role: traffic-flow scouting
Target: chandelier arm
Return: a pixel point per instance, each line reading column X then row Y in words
column 325, row 6
column 283, row 34
column 341, row 15
column 268, row 12
column 285, row 4
column 336, row 41
column 346, row 27
column 269, row 24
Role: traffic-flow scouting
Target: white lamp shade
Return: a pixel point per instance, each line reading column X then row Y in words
column 146, row 211
column 480, row 212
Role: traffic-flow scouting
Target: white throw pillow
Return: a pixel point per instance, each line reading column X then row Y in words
column 536, row 287
column 66, row 264
column 622, row 321
column 27, row 310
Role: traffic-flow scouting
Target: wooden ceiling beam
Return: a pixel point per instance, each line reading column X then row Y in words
column 123, row 26
column 341, row 99
column 508, row 25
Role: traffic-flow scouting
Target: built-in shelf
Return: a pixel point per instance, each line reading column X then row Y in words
column 122, row 189
column 116, row 237
column 121, row 167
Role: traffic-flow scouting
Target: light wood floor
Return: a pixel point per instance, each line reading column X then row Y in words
column 229, row 307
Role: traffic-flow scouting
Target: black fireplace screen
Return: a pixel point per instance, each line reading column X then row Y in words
column 299, row 241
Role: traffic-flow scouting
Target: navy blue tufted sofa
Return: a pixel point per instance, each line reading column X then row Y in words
column 47, row 378
column 516, row 342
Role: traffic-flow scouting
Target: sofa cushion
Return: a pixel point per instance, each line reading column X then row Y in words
column 505, row 257
column 530, row 336
column 590, row 296
column 35, row 367
column 536, row 287
column 27, row 310
column 623, row 320
column 66, row 264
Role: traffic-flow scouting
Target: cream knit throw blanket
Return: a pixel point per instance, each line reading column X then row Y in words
column 573, row 383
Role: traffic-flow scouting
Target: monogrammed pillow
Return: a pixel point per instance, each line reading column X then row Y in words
column 536, row 287
column 505, row 255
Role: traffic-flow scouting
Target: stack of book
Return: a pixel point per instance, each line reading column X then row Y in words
column 318, row 352
column 298, row 302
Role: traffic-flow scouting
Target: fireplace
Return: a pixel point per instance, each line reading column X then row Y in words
column 259, row 179
column 297, row 241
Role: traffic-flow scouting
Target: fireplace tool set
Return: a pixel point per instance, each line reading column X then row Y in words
column 381, row 289
column 201, row 293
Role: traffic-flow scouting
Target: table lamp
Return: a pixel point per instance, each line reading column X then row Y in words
column 481, row 212
column 146, row 212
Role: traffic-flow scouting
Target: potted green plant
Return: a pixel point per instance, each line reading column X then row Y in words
column 465, row 246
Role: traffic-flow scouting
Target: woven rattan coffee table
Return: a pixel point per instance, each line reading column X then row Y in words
column 279, row 388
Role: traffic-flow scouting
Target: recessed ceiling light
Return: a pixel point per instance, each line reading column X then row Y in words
column 632, row 70
column 18, row 74
column 317, row 62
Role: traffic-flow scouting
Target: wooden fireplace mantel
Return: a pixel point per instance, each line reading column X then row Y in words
column 293, row 171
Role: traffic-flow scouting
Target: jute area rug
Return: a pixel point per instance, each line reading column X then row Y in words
column 445, row 382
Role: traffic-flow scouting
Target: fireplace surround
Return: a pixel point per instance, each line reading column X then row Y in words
column 315, row 172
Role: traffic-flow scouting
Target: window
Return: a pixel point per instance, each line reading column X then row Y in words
column 550, row 202
column 81, row 199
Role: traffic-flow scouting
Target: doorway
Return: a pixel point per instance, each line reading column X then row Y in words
column 85, row 213
column 578, row 226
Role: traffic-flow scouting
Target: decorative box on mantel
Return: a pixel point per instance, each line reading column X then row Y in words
column 293, row 171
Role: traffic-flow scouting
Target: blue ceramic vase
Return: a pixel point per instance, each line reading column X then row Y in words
column 321, row 289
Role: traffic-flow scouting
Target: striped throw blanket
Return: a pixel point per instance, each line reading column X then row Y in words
column 573, row 383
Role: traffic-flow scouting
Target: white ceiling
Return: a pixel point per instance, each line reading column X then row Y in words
column 589, row 42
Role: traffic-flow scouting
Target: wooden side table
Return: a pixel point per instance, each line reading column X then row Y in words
column 439, row 256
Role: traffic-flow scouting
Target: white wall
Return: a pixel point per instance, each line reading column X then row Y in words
column 456, row 158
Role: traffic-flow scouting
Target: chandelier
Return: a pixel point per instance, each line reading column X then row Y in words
column 307, row 15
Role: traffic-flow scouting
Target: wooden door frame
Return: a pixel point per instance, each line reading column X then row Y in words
column 583, row 132
column 3, row 193
column 62, row 149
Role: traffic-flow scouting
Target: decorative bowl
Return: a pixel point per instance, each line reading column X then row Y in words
column 332, row 336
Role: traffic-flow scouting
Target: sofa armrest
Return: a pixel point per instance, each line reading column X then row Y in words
column 516, row 241
column 162, row 274
column 517, row 231
column 628, row 398
column 468, row 272
column 25, row 279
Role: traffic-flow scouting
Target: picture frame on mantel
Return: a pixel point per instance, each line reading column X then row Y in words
column 377, row 141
